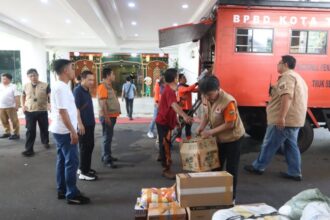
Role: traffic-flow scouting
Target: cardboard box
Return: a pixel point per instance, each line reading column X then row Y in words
column 199, row 154
column 158, row 195
column 140, row 210
column 204, row 212
column 204, row 189
column 168, row 211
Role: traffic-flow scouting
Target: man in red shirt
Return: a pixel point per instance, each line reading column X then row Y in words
column 185, row 101
column 167, row 120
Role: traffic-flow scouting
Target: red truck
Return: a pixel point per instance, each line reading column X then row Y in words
column 245, row 40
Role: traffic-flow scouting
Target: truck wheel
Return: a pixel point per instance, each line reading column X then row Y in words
column 305, row 136
column 256, row 132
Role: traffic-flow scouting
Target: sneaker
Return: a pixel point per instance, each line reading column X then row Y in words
column 28, row 153
column 150, row 134
column 5, row 136
column 110, row 165
column 287, row 176
column 178, row 139
column 78, row 200
column 87, row 177
column 168, row 175
column 14, row 137
column 60, row 195
column 91, row 171
column 113, row 158
column 188, row 138
column 251, row 169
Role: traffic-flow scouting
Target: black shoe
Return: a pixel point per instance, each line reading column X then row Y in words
column 110, row 165
column 251, row 169
column 47, row 146
column 78, row 200
column 14, row 137
column 87, row 177
column 60, row 195
column 287, row 176
column 113, row 158
column 28, row 153
column 5, row 136
column 93, row 172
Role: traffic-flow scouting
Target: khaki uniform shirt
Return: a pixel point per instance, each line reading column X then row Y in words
column 293, row 84
column 215, row 115
column 36, row 97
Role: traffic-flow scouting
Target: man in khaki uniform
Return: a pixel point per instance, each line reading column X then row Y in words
column 35, row 105
column 109, row 110
column 286, row 114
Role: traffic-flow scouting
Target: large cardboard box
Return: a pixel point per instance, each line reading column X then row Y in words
column 204, row 189
column 168, row 211
column 204, row 212
column 199, row 154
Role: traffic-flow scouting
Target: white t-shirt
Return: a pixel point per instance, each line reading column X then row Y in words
column 61, row 97
column 7, row 95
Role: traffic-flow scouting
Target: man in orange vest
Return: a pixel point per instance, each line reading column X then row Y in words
column 185, row 101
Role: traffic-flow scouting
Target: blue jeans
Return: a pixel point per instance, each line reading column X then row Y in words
column 107, row 133
column 66, row 165
column 153, row 122
column 273, row 140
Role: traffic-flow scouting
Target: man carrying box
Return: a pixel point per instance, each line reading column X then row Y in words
column 220, row 110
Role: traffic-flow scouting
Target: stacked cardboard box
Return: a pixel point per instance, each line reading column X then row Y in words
column 204, row 193
column 161, row 202
column 158, row 211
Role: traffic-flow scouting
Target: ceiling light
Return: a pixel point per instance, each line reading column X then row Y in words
column 68, row 21
column 136, row 35
column 185, row 6
column 44, row 1
column 24, row 20
column 76, row 54
column 134, row 23
column 131, row 4
column 175, row 24
column 134, row 54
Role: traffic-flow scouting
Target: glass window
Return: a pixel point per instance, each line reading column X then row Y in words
column 10, row 62
column 254, row 40
column 311, row 42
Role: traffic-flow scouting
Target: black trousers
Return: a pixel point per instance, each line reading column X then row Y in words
column 164, row 135
column 31, row 128
column 187, row 127
column 129, row 107
column 229, row 154
column 86, row 147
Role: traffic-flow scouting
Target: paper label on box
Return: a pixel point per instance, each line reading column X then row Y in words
column 205, row 190
column 203, row 174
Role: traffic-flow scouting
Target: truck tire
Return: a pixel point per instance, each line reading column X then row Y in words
column 256, row 132
column 305, row 136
